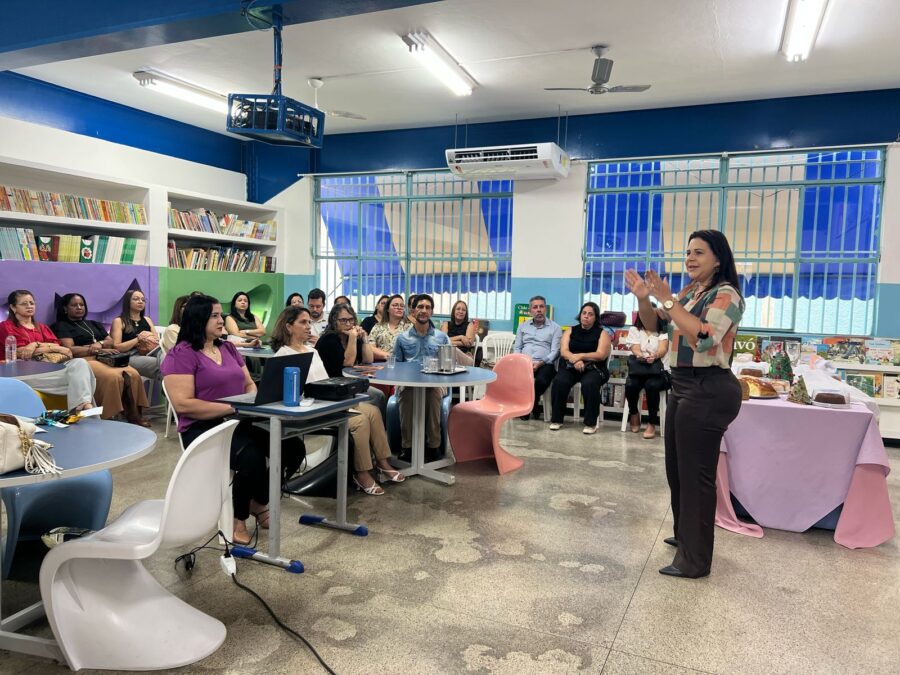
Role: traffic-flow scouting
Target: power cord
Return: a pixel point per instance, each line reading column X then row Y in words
column 190, row 558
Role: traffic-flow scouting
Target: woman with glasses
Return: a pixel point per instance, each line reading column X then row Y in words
column 393, row 322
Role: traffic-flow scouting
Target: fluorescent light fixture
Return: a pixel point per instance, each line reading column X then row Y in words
column 182, row 89
column 801, row 28
column 441, row 64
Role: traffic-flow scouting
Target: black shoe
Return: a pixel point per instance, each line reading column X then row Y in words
column 537, row 414
column 525, row 418
column 671, row 541
column 405, row 455
column 433, row 454
column 672, row 571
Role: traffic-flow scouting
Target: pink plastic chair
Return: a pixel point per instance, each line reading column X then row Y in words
column 474, row 426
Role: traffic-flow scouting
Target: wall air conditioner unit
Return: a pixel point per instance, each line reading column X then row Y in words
column 532, row 161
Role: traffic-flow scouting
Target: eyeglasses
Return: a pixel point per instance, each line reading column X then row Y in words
column 348, row 319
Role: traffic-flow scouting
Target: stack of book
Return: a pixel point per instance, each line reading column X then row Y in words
column 219, row 259
column 19, row 243
column 22, row 200
column 204, row 220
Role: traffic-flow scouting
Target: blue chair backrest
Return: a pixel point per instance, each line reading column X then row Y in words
column 17, row 398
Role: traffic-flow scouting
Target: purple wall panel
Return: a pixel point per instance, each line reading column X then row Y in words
column 102, row 285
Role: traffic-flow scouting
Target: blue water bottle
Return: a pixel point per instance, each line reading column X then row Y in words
column 291, row 386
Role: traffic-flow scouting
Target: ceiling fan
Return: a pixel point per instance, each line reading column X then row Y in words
column 317, row 83
column 600, row 76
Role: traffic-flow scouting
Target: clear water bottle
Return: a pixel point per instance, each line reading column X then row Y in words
column 10, row 353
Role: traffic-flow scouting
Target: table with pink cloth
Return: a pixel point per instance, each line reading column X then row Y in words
column 790, row 465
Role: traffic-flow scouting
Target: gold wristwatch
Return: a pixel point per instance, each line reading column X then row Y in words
column 670, row 303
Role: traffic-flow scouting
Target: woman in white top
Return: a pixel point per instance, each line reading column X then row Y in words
column 292, row 330
column 645, row 371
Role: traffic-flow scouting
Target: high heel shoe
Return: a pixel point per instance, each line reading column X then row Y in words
column 262, row 516
column 635, row 421
column 373, row 489
column 390, row 475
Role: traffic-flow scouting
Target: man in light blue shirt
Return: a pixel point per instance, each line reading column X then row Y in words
column 539, row 338
column 414, row 345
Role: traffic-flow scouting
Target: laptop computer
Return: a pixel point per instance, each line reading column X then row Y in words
column 271, row 385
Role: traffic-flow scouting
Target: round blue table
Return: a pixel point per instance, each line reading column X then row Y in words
column 409, row 374
column 22, row 370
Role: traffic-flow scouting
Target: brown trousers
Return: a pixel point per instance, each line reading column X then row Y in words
column 433, row 396
column 116, row 393
column 369, row 436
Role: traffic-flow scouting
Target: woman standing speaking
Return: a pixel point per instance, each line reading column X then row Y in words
column 703, row 320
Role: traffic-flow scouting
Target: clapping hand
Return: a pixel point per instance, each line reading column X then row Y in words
column 659, row 287
column 636, row 285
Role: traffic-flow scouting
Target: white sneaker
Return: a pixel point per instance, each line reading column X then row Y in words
column 591, row 430
column 555, row 426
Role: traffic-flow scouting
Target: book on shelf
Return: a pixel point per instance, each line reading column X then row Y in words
column 879, row 352
column 842, row 349
column 891, row 387
column 219, row 259
column 871, row 384
column 204, row 220
column 22, row 200
column 18, row 243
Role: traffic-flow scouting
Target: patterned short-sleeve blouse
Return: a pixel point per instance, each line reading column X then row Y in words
column 720, row 309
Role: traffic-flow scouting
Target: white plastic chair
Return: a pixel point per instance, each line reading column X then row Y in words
column 494, row 347
column 170, row 413
column 663, row 399
column 105, row 609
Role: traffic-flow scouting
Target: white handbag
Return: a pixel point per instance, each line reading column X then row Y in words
column 19, row 449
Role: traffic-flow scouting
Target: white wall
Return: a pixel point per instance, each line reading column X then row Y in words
column 889, row 270
column 548, row 226
column 296, row 201
column 66, row 150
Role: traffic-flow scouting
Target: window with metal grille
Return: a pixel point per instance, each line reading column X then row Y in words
column 803, row 226
column 416, row 232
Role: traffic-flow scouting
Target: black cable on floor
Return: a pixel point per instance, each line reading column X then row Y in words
column 283, row 625
column 190, row 558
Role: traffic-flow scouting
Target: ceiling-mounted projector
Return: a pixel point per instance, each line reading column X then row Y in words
column 275, row 118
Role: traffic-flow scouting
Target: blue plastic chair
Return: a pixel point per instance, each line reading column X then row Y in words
column 32, row 510
column 392, row 422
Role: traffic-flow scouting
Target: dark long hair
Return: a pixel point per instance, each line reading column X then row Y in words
column 64, row 302
column 287, row 317
column 12, row 299
column 287, row 303
column 726, row 272
column 232, row 312
column 375, row 311
column 386, row 313
column 593, row 306
column 194, row 319
column 126, row 306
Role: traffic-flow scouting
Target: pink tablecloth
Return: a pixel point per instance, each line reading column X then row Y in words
column 790, row 465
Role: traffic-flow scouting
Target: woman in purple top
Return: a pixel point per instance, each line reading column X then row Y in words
column 200, row 369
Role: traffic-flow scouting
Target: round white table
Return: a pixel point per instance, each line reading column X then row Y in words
column 409, row 374
column 88, row 446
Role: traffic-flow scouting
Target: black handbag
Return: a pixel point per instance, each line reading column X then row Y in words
column 638, row 367
column 113, row 359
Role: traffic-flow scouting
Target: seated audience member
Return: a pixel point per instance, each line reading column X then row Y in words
column 585, row 349
column 539, row 339
column 170, row 336
column 461, row 332
column 419, row 342
column 35, row 341
column 343, row 300
column 393, row 322
column 132, row 329
column 203, row 368
column 367, row 429
column 645, row 371
column 345, row 344
column 118, row 390
column 294, row 300
column 319, row 321
column 380, row 307
column 241, row 322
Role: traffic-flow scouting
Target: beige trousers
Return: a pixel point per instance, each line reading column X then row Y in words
column 369, row 436
column 110, row 390
column 433, row 396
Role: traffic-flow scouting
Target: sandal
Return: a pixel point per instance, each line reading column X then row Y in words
column 373, row 489
column 390, row 475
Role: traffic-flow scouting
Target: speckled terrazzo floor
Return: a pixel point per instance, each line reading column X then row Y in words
column 551, row 569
